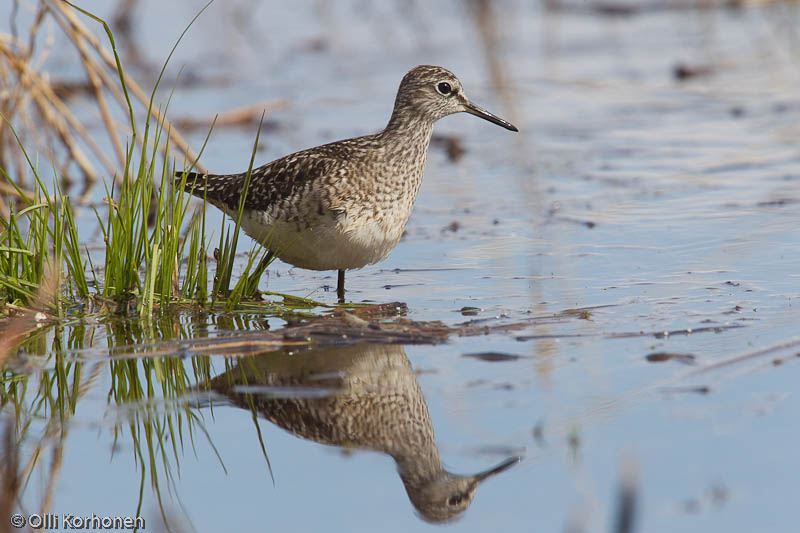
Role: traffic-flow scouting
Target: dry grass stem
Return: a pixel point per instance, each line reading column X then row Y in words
column 42, row 115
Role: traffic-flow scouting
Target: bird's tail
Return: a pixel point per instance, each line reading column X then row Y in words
column 195, row 182
column 222, row 190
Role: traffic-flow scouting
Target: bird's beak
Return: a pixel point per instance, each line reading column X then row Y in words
column 472, row 109
column 508, row 463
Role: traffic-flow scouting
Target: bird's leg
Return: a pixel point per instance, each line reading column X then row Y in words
column 340, row 287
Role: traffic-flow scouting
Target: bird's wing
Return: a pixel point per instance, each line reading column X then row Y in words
column 278, row 181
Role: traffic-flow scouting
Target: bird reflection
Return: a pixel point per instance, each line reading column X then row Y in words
column 362, row 396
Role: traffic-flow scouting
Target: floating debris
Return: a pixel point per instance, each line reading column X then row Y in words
column 683, row 72
column 660, row 357
column 701, row 389
column 453, row 227
column 494, row 357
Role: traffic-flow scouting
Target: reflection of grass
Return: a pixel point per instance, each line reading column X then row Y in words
column 147, row 397
column 148, row 391
column 44, row 407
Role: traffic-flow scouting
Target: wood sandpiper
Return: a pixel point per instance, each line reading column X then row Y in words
column 345, row 205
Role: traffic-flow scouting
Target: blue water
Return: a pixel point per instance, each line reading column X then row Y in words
column 692, row 219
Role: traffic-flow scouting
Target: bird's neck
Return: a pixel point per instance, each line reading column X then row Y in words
column 409, row 130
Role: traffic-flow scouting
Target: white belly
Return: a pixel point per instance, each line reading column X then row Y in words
column 333, row 243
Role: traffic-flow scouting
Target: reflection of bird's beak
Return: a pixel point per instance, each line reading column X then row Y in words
column 505, row 465
column 472, row 109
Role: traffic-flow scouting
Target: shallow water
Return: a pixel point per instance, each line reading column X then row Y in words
column 665, row 210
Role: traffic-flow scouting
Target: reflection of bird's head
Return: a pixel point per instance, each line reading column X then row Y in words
column 448, row 495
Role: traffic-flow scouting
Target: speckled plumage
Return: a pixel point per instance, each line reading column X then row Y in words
column 363, row 396
column 345, row 204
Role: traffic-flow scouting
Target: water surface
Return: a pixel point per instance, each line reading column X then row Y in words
column 634, row 214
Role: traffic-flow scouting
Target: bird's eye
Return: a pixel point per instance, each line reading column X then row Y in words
column 454, row 500
column 444, row 88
